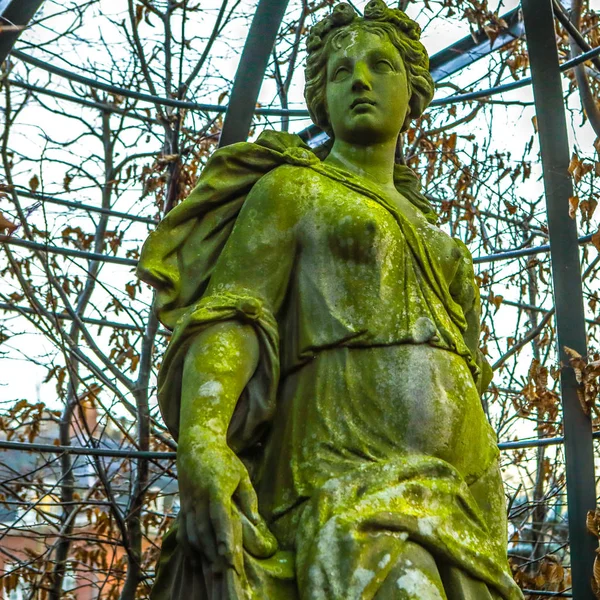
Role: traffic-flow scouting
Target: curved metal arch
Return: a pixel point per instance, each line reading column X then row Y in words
column 14, row 17
column 251, row 70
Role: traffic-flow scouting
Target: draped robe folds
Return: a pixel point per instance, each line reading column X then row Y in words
column 350, row 530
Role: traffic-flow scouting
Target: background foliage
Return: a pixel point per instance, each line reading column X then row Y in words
column 79, row 347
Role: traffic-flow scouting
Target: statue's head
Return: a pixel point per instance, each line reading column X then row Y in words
column 366, row 77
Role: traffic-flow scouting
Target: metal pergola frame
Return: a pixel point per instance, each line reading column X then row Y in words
column 538, row 23
column 567, row 287
column 14, row 18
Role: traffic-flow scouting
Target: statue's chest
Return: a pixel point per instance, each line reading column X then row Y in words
column 357, row 230
column 360, row 230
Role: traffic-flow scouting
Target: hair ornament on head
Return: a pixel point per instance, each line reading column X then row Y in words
column 343, row 14
column 377, row 10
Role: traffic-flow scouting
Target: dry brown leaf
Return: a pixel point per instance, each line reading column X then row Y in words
column 579, row 168
column 597, row 576
column 67, row 183
column 7, row 225
column 572, row 353
column 497, row 301
column 587, row 208
column 573, row 204
column 139, row 14
column 587, row 373
column 574, row 164
column 591, row 522
column 34, row 183
column 595, row 590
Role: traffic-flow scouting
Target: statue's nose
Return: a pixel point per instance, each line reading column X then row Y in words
column 361, row 77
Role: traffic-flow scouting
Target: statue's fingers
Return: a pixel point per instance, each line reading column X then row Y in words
column 221, row 520
column 258, row 540
column 185, row 537
column 238, row 555
column 191, row 531
column 182, row 536
column 204, row 535
column 245, row 496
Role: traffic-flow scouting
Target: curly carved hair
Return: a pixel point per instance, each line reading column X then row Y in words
column 403, row 32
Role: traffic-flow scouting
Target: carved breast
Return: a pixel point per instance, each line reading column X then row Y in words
column 361, row 233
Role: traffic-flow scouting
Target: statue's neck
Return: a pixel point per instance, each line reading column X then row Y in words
column 374, row 162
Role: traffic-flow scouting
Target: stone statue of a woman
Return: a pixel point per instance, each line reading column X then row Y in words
column 323, row 379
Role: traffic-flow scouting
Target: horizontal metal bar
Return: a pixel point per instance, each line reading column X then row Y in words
column 522, row 305
column 564, row 594
column 524, row 251
column 149, row 221
column 473, row 47
column 537, row 442
column 87, row 207
column 85, row 451
column 89, row 320
column 14, row 241
column 485, row 93
column 531, row 443
column 82, row 101
column 513, row 85
column 532, row 308
column 275, row 112
column 442, row 64
column 218, row 108
column 485, row 213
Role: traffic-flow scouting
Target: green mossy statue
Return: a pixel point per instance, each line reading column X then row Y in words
column 323, row 379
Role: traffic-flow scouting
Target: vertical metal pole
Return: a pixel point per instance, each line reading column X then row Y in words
column 251, row 70
column 14, row 13
column 566, row 276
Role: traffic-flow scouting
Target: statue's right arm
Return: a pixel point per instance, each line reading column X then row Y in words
column 218, row 504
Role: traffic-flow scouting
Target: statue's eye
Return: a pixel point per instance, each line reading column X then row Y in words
column 384, row 66
column 340, row 73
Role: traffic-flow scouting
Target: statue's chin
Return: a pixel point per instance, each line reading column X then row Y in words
column 366, row 128
column 366, row 136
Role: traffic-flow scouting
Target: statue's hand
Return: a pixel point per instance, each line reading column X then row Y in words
column 219, row 508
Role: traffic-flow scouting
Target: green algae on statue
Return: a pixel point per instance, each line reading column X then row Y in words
column 323, row 377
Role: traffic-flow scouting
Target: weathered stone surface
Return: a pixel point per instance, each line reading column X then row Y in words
column 323, row 377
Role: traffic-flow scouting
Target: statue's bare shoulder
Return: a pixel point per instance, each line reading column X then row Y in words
column 288, row 191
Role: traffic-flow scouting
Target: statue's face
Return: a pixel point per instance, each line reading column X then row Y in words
column 367, row 91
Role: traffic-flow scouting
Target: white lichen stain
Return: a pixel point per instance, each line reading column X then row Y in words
column 427, row 525
column 210, row 389
column 353, row 34
column 418, row 586
column 360, row 580
column 384, row 561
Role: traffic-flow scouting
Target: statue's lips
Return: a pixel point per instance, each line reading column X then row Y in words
column 362, row 101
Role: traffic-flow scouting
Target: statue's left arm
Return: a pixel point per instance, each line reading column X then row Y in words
column 249, row 282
